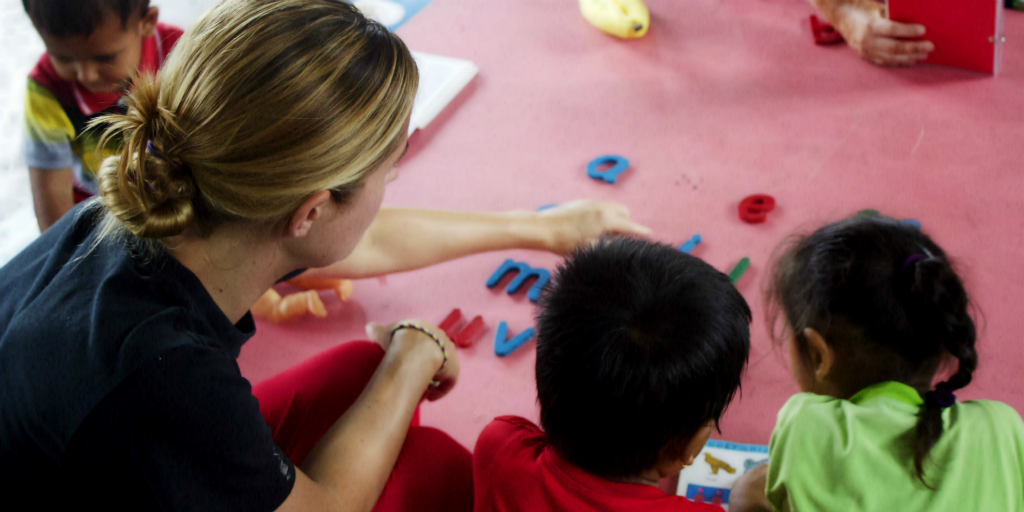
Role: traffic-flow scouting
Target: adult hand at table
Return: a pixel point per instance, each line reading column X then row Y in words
column 877, row 39
column 583, row 222
column 409, row 337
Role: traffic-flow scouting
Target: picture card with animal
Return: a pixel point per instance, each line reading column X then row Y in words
column 711, row 476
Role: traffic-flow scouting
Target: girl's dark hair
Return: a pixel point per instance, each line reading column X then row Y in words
column 63, row 18
column 886, row 298
column 638, row 347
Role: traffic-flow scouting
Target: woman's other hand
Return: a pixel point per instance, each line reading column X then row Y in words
column 411, row 342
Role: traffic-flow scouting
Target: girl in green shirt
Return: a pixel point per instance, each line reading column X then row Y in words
column 870, row 308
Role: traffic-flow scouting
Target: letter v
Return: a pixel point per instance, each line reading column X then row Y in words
column 503, row 347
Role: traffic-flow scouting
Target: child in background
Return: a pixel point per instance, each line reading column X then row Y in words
column 871, row 308
column 93, row 48
column 639, row 351
column 868, row 31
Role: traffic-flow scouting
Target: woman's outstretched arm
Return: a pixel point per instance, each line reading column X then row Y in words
column 407, row 239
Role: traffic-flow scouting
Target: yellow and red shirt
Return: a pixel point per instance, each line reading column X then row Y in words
column 57, row 112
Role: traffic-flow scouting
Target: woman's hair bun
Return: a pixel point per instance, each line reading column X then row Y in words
column 149, row 191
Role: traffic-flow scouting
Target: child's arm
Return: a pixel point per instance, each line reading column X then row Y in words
column 48, row 134
column 876, row 39
column 405, row 239
column 52, row 194
column 748, row 492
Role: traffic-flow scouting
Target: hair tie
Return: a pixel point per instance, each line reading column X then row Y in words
column 156, row 154
column 152, row 150
column 913, row 258
column 941, row 398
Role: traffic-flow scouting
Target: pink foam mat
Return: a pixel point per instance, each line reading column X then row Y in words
column 722, row 99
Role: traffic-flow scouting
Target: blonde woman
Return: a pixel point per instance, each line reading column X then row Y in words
column 261, row 148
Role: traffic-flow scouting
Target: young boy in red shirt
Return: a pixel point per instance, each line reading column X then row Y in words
column 93, row 49
column 639, row 350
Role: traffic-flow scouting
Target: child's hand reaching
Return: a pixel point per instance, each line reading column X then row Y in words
column 583, row 222
column 875, row 38
column 748, row 492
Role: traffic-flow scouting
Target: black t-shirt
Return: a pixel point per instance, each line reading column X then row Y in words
column 119, row 387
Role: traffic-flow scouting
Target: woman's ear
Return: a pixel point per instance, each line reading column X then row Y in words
column 301, row 221
column 822, row 357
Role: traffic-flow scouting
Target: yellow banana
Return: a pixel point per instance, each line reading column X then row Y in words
column 627, row 19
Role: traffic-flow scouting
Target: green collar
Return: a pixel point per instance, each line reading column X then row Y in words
column 896, row 390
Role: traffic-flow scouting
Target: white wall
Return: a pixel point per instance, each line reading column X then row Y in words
column 181, row 12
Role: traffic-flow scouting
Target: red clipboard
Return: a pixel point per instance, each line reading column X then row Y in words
column 966, row 33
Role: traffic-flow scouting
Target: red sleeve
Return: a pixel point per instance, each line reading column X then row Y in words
column 507, row 437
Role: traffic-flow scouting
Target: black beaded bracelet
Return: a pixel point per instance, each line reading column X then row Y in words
column 444, row 351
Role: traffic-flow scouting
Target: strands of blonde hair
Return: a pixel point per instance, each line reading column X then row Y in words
column 261, row 104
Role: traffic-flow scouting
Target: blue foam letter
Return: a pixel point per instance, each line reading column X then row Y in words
column 503, row 347
column 619, row 165
column 688, row 245
column 525, row 271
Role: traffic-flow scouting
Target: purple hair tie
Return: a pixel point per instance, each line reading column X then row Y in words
column 941, row 398
column 913, row 258
column 152, row 150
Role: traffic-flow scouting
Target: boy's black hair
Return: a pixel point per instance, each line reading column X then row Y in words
column 63, row 18
column 886, row 298
column 638, row 347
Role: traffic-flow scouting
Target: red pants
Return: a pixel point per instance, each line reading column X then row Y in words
column 433, row 472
